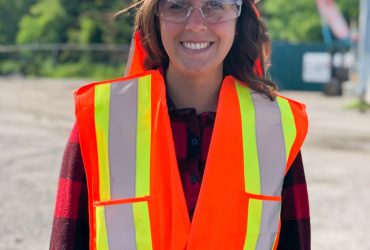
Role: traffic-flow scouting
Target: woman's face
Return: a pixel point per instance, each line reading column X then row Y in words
column 194, row 46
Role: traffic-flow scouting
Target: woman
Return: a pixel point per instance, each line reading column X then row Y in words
column 200, row 152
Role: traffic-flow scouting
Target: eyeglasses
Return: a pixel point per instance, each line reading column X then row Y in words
column 213, row 11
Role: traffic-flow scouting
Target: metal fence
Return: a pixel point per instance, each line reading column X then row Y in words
column 63, row 47
column 32, row 58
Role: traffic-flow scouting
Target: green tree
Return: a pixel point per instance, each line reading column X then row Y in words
column 350, row 9
column 299, row 21
column 11, row 12
column 44, row 23
column 71, row 21
column 85, row 21
column 292, row 21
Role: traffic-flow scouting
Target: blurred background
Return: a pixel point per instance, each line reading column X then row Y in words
column 48, row 48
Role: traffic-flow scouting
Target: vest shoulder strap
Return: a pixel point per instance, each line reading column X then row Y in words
column 85, row 88
column 299, row 115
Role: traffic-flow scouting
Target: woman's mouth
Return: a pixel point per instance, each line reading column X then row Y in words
column 196, row 46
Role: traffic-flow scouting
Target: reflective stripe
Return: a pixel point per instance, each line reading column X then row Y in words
column 141, row 212
column 276, row 241
column 269, row 129
column 263, row 134
column 251, row 170
column 122, row 139
column 251, row 165
column 289, row 132
column 120, row 226
column 126, row 173
column 143, row 137
column 142, row 226
column 289, row 128
column 254, row 224
column 101, row 102
column 269, row 225
column 270, row 142
column 101, row 229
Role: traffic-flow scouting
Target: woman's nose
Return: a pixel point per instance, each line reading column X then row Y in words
column 195, row 21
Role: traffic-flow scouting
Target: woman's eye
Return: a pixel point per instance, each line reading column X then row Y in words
column 178, row 5
column 214, row 4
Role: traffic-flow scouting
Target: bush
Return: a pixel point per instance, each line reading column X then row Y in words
column 82, row 69
column 48, row 68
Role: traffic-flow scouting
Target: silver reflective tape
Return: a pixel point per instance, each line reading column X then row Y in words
column 269, row 225
column 122, row 139
column 120, row 227
column 270, row 145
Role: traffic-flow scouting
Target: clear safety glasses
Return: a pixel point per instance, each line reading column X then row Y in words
column 212, row 11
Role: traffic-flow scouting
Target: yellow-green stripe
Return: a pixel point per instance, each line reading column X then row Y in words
column 143, row 139
column 287, row 121
column 251, row 165
column 142, row 226
column 101, row 229
column 102, row 105
column 254, row 224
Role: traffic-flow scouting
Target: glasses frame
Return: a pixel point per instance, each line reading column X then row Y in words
column 190, row 10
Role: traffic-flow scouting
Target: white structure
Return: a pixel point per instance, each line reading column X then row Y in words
column 316, row 67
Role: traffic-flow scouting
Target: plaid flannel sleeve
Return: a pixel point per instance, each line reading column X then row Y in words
column 70, row 226
column 295, row 231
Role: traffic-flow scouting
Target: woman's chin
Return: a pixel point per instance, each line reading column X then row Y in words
column 196, row 69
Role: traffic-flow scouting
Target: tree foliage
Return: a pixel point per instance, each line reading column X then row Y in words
column 91, row 21
column 299, row 20
column 70, row 21
column 350, row 9
column 43, row 24
column 11, row 12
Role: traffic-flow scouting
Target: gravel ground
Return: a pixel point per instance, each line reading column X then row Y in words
column 37, row 114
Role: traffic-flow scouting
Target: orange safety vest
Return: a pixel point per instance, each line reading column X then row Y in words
column 135, row 194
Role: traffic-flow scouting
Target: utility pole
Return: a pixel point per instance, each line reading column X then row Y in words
column 364, row 51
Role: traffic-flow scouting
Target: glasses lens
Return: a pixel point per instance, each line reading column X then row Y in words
column 173, row 10
column 213, row 11
column 216, row 11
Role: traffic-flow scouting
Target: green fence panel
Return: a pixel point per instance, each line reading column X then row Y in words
column 287, row 63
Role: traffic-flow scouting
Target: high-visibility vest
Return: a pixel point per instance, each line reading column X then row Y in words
column 135, row 194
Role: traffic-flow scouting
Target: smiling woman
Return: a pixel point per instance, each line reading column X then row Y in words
column 197, row 50
column 239, row 60
column 194, row 149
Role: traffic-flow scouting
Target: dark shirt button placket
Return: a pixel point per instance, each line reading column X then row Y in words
column 194, row 141
column 194, row 179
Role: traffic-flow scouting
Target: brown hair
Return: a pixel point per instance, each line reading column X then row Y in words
column 251, row 41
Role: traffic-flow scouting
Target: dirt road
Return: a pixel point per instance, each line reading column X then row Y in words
column 35, row 118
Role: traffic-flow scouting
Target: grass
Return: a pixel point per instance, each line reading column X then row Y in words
column 359, row 105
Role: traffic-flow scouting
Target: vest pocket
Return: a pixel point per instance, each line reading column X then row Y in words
column 119, row 221
column 263, row 216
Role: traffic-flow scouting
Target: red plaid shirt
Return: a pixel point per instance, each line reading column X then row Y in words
column 192, row 134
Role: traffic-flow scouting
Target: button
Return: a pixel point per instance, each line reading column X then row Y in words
column 193, row 179
column 194, row 141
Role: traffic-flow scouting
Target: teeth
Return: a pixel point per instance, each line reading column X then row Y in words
column 196, row 46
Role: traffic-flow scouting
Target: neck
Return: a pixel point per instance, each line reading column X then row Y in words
column 199, row 91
